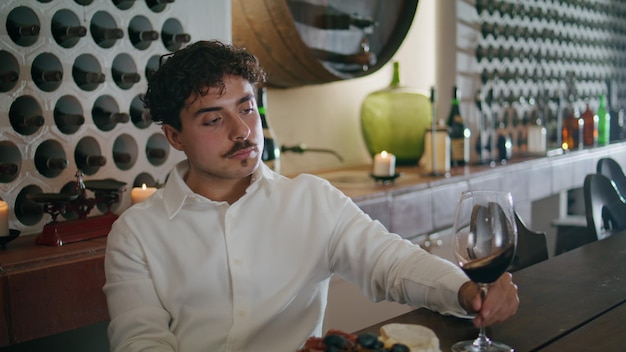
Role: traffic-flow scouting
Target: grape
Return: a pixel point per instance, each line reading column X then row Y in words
column 367, row 340
column 398, row 347
column 335, row 341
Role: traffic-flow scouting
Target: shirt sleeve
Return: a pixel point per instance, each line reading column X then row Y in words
column 138, row 321
column 386, row 267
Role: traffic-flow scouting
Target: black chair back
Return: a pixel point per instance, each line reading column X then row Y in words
column 532, row 246
column 604, row 206
column 613, row 170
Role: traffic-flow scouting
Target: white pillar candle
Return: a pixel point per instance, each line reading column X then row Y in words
column 384, row 164
column 4, row 219
column 139, row 194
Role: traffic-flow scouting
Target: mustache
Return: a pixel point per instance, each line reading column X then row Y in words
column 239, row 146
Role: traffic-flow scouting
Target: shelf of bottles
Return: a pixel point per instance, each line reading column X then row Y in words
column 71, row 77
column 532, row 61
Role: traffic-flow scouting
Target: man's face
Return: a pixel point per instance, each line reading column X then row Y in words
column 221, row 135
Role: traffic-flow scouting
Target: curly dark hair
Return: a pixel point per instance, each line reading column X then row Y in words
column 192, row 71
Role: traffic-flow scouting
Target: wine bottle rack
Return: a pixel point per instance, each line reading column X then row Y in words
column 527, row 59
column 71, row 80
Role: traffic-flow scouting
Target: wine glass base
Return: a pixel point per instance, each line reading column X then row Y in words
column 470, row 346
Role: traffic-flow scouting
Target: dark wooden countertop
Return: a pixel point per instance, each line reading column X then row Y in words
column 572, row 302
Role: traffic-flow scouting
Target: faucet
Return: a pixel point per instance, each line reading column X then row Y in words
column 301, row 148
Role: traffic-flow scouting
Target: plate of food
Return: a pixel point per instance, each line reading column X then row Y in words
column 392, row 338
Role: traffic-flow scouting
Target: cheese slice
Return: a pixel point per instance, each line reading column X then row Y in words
column 417, row 337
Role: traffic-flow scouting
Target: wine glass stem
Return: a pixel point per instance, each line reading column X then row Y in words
column 482, row 342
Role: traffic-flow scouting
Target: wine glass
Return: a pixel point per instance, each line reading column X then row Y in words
column 485, row 238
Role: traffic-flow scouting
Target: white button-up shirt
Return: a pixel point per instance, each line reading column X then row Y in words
column 185, row 273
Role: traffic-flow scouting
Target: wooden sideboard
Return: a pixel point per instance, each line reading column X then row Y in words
column 48, row 290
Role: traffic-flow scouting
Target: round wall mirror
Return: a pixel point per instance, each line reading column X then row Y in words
column 305, row 42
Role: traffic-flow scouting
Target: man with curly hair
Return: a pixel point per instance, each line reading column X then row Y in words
column 231, row 256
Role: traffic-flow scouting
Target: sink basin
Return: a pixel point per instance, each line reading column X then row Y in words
column 355, row 178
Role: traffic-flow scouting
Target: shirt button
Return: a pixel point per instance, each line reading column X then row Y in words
column 237, row 262
column 242, row 313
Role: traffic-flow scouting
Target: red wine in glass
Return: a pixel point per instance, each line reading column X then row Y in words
column 485, row 238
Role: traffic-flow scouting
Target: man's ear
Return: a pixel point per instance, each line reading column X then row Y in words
column 173, row 136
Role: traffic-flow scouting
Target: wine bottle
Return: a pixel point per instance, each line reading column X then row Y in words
column 18, row 31
column 63, row 34
column 8, row 169
column 107, row 120
column 49, row 163
column 271, row 150
column 46, row 76
column 82, row 77
column 123, row 4
column 156, row 153
column 617, row 123
column 537, row 141
column 158, row 5
column 125, row 78
column 604, row 122
column 26, row 121
column 141, row 117
column 173, row 41
column 142, row 38
column 89, row 160
column 9, row 76
column 122, row 158
column 572, row 127
column 590, row 126
column 103, row 35
column 459, row 134
column 69, row 120
column 327, row 17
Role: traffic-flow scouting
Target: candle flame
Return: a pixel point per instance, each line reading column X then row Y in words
column 383, row 153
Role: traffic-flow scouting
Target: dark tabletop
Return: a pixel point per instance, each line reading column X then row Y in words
column 572, row 302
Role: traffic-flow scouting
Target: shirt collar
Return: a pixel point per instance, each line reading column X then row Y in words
column 177, row 192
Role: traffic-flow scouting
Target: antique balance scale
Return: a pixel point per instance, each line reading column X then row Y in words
column 56, row 233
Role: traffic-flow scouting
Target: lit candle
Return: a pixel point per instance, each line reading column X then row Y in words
column 139, row 194
column 4, row 219
column 384, row 164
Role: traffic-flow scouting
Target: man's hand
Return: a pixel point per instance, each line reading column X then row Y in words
column 500, row 304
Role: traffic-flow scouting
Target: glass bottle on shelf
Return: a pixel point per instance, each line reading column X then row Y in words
column 572, row 128
column 271, row 150
column 604, row 122
column 617, row 113
column 459, row 134
column 537, row 133
column 590, row 126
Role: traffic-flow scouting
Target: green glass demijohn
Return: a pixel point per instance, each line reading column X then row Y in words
column 394, row 119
